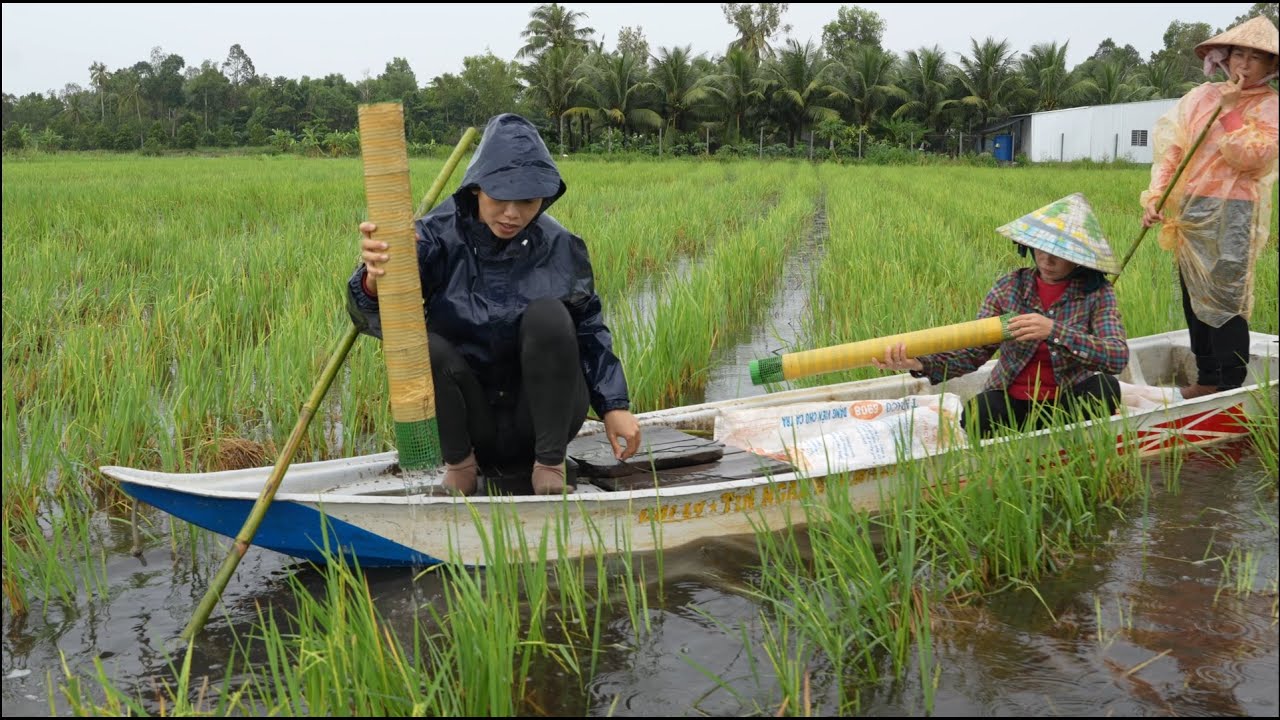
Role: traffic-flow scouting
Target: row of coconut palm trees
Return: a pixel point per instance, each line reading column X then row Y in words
column 798, row 88
column 584, row 94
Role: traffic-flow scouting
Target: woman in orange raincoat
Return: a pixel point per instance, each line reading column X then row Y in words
column 1217, row 215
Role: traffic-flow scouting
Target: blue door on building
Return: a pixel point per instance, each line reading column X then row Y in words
column 1004, row 148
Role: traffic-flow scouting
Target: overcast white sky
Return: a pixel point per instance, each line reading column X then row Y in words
column 45, row 46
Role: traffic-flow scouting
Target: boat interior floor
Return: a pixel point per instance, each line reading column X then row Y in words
column 670, row 458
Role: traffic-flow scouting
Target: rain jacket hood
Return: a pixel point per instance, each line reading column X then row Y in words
column 512, row 163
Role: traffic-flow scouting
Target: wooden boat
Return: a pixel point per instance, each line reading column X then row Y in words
column 365, row 506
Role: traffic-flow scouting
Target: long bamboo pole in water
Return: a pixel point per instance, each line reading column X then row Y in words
column 245, row 538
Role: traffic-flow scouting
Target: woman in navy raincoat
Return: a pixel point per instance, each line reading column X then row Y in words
column 518, row 347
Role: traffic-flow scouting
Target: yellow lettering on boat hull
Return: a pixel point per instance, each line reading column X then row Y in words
column 739, row 501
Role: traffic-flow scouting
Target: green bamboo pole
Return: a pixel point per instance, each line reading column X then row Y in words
column 243, row 540
column 336, row 358
column 1169, row 187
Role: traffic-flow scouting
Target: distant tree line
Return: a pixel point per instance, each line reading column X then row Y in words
column 587, row 97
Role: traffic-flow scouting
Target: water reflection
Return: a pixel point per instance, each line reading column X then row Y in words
column 728, row 376
column 1138, row 625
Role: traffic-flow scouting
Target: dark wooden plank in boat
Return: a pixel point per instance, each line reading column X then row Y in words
column 735, row 464
column 663, row 448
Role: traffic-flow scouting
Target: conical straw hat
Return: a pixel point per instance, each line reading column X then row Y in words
column 1068, row 229
column 1258, row 33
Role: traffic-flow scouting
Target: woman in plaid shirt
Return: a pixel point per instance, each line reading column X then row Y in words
column 1068, row 342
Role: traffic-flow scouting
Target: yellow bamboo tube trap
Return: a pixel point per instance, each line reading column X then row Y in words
column 404, row 327
column 976, row 333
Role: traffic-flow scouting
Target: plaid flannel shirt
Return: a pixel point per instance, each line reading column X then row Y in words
column 1088, row 336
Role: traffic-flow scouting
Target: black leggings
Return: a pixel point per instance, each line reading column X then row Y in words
column 550, row 405
column 995, row 408
column 1222, row 353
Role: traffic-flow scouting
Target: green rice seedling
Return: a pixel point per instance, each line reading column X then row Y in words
column 483, row 626
column 15, row 591
column 1239, row 569
column 635, row 584
column 340, row 659
column 34, row 555
column 82, row 703
column 926, row 661
column 481, row 604
column 841, row 598
column 721, row 297
column 580, row 620
column 791, row 659
column 334, row 655
column 1171, row 468
column 1264, row 431
column 1107, row 633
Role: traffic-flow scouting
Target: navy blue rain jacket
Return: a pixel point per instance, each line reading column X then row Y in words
column 477, row 286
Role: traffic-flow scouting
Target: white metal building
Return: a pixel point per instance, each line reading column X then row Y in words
column 1098, row 132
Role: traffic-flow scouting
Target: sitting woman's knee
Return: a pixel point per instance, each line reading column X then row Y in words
column 445, row 358
column 1099, row 389
column 546, row 319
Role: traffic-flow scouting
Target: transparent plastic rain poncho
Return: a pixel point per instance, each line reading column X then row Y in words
column 1217, row 215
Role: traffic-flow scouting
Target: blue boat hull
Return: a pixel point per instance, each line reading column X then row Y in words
column 289, row 527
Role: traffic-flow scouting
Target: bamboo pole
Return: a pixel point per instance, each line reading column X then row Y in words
column 336, row 358
column 975, row 333
column 1186, row 158
column 245, row 537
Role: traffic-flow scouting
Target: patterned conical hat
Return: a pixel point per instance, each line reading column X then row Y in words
column 1258, row 33
column 1068, row 229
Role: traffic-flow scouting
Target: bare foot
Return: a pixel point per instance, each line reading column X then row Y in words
column 548, row 479
column 461, row 477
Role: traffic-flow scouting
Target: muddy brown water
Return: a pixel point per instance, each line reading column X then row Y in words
column 1141, row 623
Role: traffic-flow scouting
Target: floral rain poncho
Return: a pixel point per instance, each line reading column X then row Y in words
column 1217, row 215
